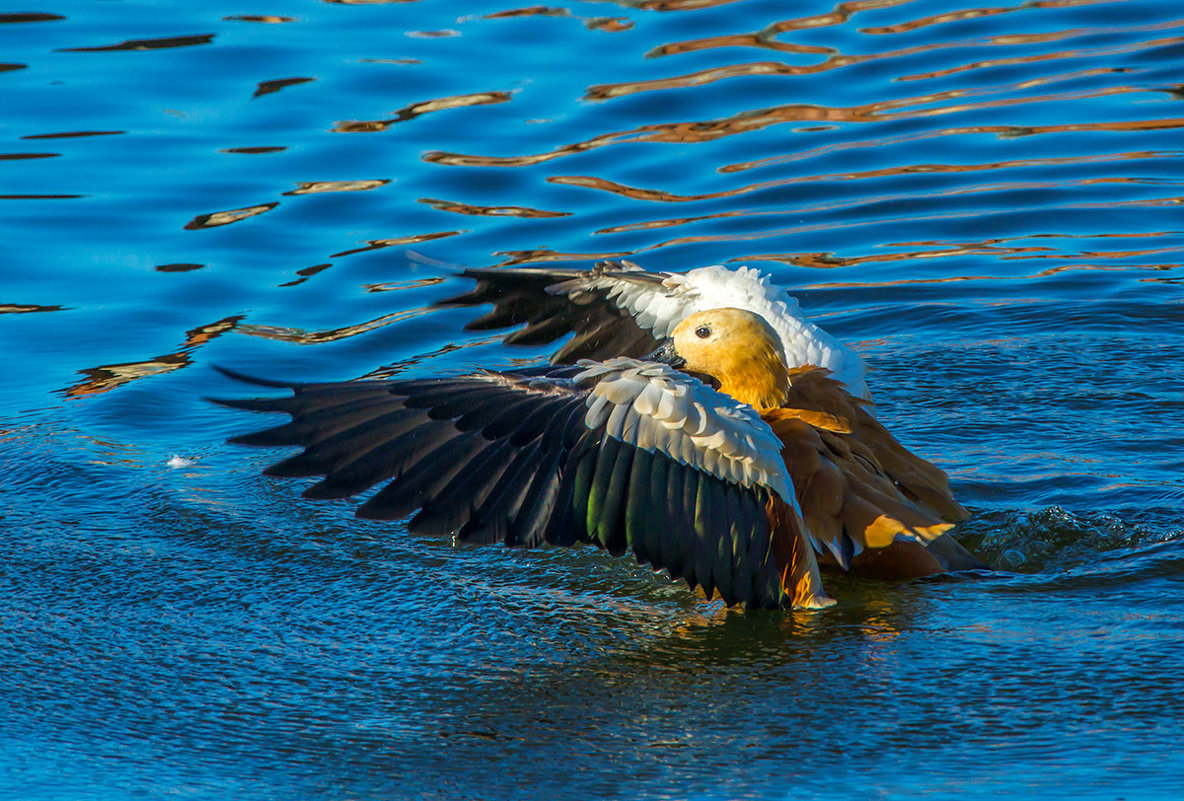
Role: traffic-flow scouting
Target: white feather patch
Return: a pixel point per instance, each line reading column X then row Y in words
column 660, row 308
column 660, row 410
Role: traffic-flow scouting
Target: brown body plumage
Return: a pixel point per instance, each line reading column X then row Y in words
column 863, row 494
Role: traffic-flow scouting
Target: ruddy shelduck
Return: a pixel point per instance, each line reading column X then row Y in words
column 717, row 459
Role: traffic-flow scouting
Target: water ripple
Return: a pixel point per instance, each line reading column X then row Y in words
column 984, row 200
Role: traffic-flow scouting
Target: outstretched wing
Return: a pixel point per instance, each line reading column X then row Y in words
column 618, row 309
column 630, row 456
column 596, row 305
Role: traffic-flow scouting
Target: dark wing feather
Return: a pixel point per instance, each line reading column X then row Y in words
column 539, row 456
column 552, row 303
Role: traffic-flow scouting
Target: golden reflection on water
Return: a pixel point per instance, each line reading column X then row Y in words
column 955, row 278
column 754, row 40
column 835, row 60
column 974, row 13
column 217, row 218
column 300, row 336
column 418, row 109
column 393, row 369
column 543, row 255
column 27, row 308
column 395, row 286
column 111, row 376
column 379, row 244
column 636, row 193
column 1055, row 56
column 314, row 187
column 366, row 2
column 490, row 211
column 704, row 131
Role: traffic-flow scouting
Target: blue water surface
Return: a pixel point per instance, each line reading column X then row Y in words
column 985, row 201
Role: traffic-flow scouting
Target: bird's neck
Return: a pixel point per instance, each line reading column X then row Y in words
column 757, row 377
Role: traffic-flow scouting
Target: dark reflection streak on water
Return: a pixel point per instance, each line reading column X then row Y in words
column 306, row 273
column 42, row 197
column 25, row 156
column 269, row 87
column 400, row 61
column 11, row 67
column 532, row 11
column 71, row 134
column 111, row 376
column 678, row 5
column 254, row 150
column 178, row 267
column 418, row 109
column 29, row 17
column 270, row 18
column 145, row 44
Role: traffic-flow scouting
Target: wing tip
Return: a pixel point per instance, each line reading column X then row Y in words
column 250, row 379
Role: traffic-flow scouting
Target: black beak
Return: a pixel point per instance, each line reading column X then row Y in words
column 666, row 354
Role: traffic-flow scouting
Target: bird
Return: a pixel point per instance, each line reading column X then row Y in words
column 712, row 457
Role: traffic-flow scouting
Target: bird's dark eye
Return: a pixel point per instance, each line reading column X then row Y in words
column 702, row 332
